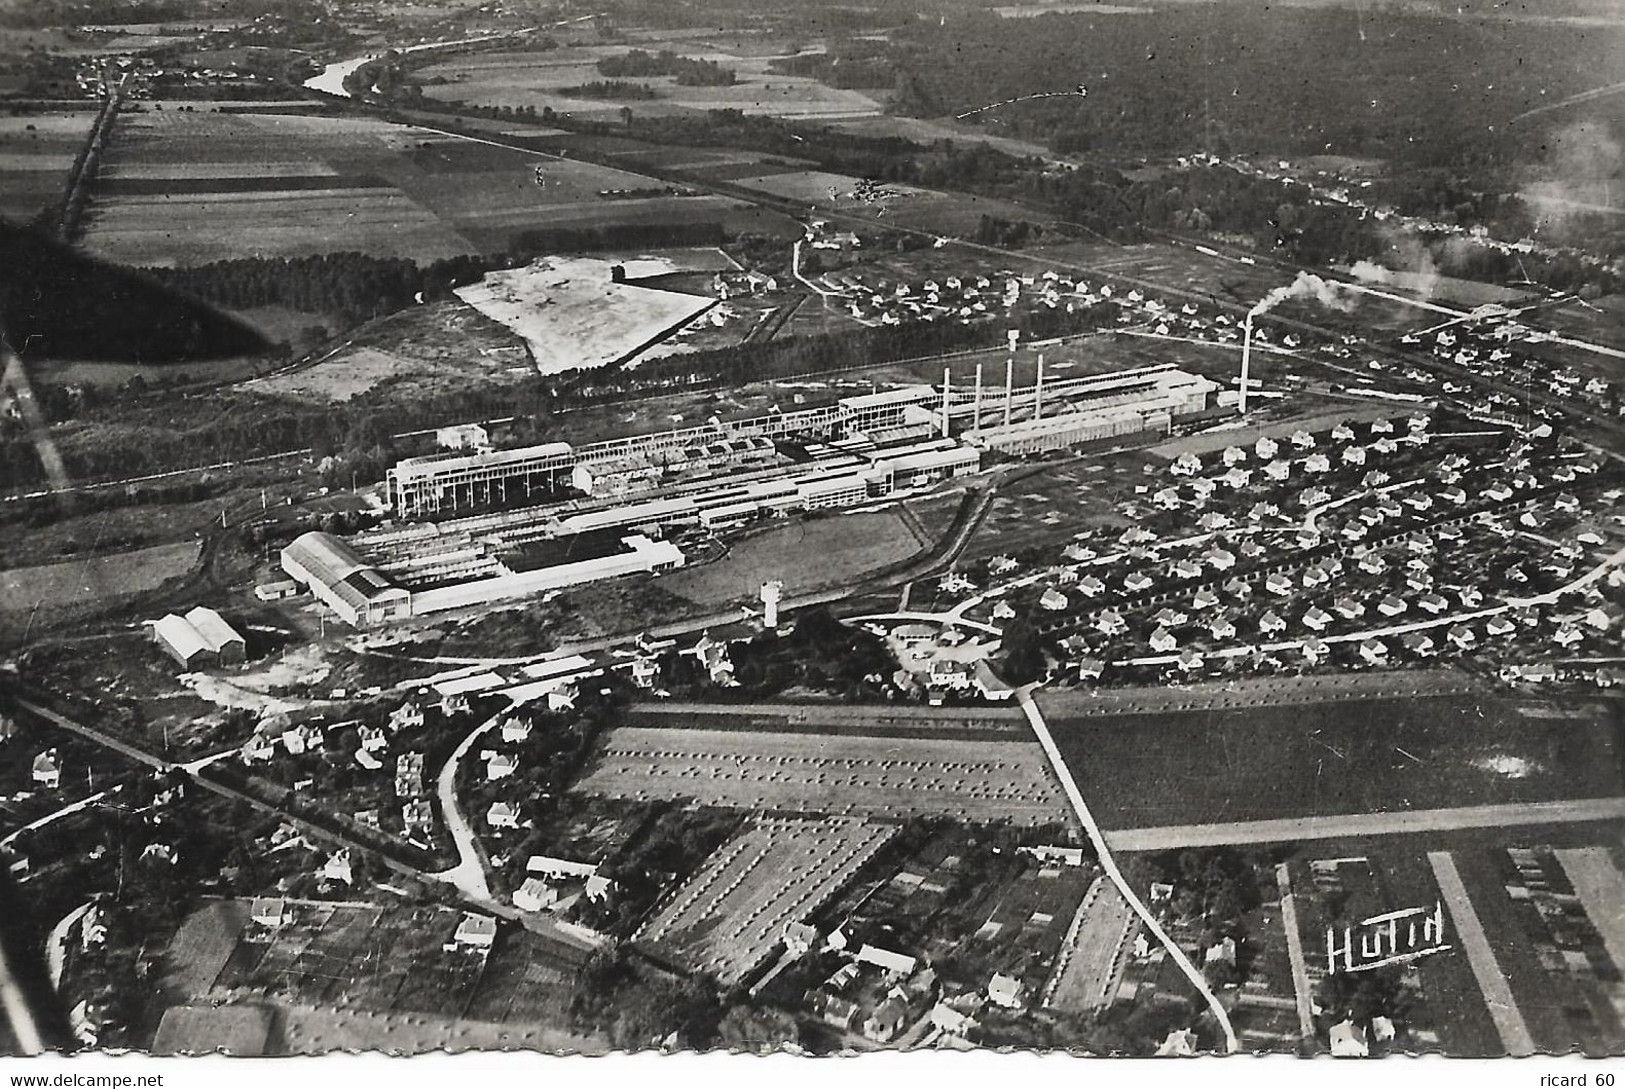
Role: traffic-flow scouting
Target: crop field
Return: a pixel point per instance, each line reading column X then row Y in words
column 36, row 152
column 521, row 79
column 973, row 781
column 573, row 317
column 1348, row 757
column 184, row 187
column 307, row 1030
column 728, row 917
column 97, row 580
column 848, row 546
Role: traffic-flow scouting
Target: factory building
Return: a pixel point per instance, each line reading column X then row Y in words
column 449, row 484
column 1075, row 411
column 871, row 412
column 340, row 579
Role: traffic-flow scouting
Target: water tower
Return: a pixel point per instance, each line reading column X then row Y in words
column 772, row 591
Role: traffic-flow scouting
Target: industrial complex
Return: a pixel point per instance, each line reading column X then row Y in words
column 472, row 528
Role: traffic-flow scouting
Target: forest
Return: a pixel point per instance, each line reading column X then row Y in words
column 1246, row 78
column 689, row 72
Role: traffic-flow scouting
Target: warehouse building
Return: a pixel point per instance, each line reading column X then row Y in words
column 200, row 638
column 465, row 483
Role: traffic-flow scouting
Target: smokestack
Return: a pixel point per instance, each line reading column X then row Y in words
column 1009, row 380
column 946, row 386
column 1038, row 390
column 1246, row 360
column 977, row 419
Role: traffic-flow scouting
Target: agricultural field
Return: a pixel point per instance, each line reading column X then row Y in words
column 180, row 186
column 534, row 79
column 1360, row 756
column 902, row 205
column 36, row 152
column 848, row 546
column 95, row 581
column 973, row 781
column 729, row 916
column 574, row 317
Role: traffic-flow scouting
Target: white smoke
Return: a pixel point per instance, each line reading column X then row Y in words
column 1327, row 293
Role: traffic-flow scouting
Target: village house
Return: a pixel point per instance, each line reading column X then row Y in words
column 47, row 770
column 476, row 932
column 502, row 815
column 1006, row 991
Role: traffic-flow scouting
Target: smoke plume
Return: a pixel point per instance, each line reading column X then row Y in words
column 1327, row 293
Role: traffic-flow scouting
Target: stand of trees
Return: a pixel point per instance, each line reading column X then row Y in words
column 612, row 89
column 689, row 71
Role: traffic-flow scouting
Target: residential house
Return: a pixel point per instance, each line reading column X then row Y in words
column 476, row 931
column 1374, row 651
column 1137, row 582
column 1089, row 586
column 498, row 765
column 1053, row 600
column 1271, row 623
column 1111, row 622
column 1205, row 599
column 1315, row 650
column 1317, row 619
column 1391, row 606
column 1163, row 641
column 1348, row 1041
column 1348, row 608
column 1462, row 637
column 1006, row 991
column 535, row 895
column 270, row 911
column 515, row 730
column 418, row 817
column 1500, row 626
column 888, row 1019
column 47, row 770
column 1433, row 603
column 1190, row 660
column 1222, row 628
column 1418, row 643
column 892, row 963
column 1279, row 583
column 502, row 815
column 409, row 775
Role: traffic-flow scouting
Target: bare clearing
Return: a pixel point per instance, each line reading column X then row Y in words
column 1092, row 962
column 574, row 317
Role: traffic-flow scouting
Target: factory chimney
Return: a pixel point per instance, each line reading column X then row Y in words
column 976, row 424
column 1246, row 362
column 947, row 373
column 1009, row 379
column 1038, row 390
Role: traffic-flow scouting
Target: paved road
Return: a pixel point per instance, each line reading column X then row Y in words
column 1301, row 989
column 1475, row 943
column 1080, row 809
column 1297, row 829
column 468, row 876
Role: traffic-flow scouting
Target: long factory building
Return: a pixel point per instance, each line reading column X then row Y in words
column 450, row 549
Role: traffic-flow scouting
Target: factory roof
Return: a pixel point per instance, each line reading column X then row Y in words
column 434, row 464
column 907, row 395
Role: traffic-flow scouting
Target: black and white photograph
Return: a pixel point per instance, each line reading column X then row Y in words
column 812, row 528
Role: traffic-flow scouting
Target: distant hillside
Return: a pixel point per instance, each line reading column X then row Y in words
column 57, row 303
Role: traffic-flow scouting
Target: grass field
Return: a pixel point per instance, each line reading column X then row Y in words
column 728, row 917
column 847, row 546
column 100, row 579
column 973, row 781
column 1092, row 963
column 1354, row 756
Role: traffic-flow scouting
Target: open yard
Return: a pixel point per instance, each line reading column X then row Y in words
column 1091, row 960
column 1350, row 756
column 728, row 917
column 974, row 781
